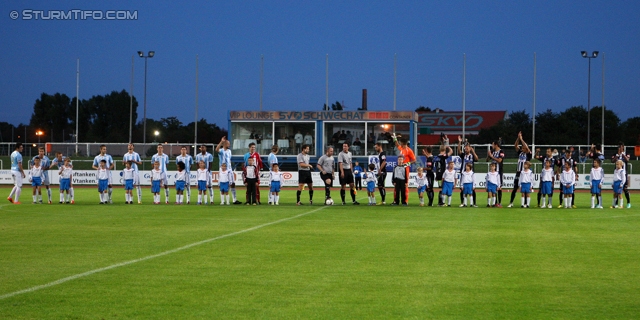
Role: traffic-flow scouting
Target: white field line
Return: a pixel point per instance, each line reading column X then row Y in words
column 122, row 264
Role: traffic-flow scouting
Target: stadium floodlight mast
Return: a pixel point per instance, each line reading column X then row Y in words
column 586, row 55
column 144, row 119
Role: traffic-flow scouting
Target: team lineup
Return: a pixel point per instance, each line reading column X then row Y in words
column 439, row 168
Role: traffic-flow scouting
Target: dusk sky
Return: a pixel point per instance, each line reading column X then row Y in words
column 499, row 39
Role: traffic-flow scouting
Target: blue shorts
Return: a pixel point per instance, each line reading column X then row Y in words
column 180, row 185
column 224, row 187
column 36, row 181
column 275, row 186
column 65, row 184
column 103, row 185
column 128, row 184
column 567, row 190
column 525, row 187
column 546, row 188
column 422, row 189
column 595, row 187
column 447, row 188
column 371, row 186
column 202, row 185
column 155, row 186
column 492, row 188
column 617, row 187
column 467, row 188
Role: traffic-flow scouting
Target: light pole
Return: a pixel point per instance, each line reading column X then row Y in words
column 144, row 120
column 593, row 55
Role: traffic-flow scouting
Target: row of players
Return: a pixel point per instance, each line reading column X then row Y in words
column 432, row 165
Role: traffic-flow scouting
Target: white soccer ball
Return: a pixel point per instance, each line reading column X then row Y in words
column 329, row 202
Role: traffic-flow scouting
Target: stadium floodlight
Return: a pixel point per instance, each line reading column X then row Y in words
column 584, row 54
column 144, row 117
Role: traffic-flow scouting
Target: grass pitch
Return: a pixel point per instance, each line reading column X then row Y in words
column 183, row 262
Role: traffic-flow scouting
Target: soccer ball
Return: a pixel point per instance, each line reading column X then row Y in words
column 329, row 202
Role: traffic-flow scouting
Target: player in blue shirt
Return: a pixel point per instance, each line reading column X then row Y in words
column 45, row 164
column 208, row 160
column 134, row 158
column 17, row 173
column 224, row 154
column 185, row 158
column 271, row 160
column 59, row 162
column 109, row 165
column 163, row 160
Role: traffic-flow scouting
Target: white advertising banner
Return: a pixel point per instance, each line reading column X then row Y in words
column 88, row 177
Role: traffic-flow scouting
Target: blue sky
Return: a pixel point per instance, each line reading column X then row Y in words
column 499, row 39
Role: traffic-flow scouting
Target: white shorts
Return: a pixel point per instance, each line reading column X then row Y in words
column 17, row 178
column 165, row 181
column 136, row 178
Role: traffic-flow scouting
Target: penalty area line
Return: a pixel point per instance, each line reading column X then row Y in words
column 126, row 263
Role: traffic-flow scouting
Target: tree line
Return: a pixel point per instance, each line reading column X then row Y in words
column 102, row 118
column 564, row 128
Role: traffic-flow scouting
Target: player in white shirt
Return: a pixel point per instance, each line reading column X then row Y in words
column 45, row 163
column 224, row 155
column 157, row 181
column 596, row 178
column 567, row 181
column 59, row 162
column 128, row 175
column 208, row 160
column 66, row 175
column 271, row 160
column 163, row 160
column 181, row 181
column 134, row 158
column 619, row 180
column 225, row 178
column 450, row 179
column 17, row 173
column 467, row 185
column 276, row 180
column 202, row 175
column 188, row 163
column 493, row 184
column 547, row 176
column 109, row 166
column 422, row 183
column 370, row 179
column 103, row 181
column 36, row 177
column 525, row 181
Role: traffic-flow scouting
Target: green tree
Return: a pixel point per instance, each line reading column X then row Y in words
column 50, row 114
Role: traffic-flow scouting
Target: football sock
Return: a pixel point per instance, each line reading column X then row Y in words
column 49, row 194
column 626, row 195
column 110, row 191
column 72, row 193
column 233, row 192
column 383, row 193
column 139, row 189
column 342, row 194
column 353, row 195
column 166, row 194
column 298, row 196
column 310, row 194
